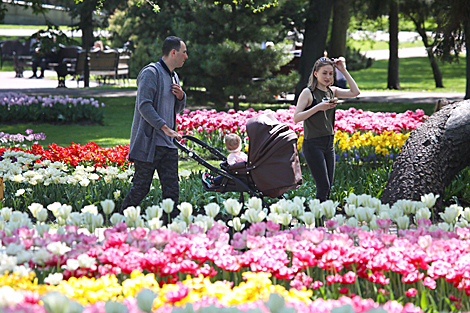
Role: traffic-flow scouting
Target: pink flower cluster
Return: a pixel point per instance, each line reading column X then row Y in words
column 31, row 305
column 412, row 256
column 350, row 120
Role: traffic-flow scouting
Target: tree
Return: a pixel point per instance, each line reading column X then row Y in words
column 420, row 12
column 454, row 33
column 223, row 40
column 339, row 28
column 317, row 22
column 393, row 80
column 432, row 155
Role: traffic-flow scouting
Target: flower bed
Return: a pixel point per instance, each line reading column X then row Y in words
column 356, row 254
column 17, row 107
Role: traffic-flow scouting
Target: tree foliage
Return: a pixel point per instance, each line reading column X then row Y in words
column 223, row 39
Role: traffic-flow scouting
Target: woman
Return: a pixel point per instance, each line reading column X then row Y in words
column 316, row 108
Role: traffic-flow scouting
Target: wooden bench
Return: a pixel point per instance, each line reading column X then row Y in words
column 18, row 52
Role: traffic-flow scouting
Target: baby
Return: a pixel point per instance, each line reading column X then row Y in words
column 233, row 143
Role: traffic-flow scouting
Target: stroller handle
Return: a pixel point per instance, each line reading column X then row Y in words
column 212, row 150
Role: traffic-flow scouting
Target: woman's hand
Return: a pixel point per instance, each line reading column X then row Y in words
column 339, row 65
column 326, row 105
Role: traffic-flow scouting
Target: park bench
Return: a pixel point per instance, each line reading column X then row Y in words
column 16, row 51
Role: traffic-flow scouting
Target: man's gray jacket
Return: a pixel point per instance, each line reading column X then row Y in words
column 151, row 114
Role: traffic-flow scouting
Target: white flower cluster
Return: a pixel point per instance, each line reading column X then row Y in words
column 22, row 167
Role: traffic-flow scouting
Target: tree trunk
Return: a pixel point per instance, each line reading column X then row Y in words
column 86, row 27
column 314, row 44
column 432, row 155
column 435, row 68
column 432, row 60
column 393, row 61
column 341, row 17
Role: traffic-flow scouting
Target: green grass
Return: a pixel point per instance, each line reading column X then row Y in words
column 365, row 45
column 415, row 75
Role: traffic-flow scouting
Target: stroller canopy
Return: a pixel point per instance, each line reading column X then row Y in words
column 273, row 159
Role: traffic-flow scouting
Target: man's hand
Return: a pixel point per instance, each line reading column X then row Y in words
column 170, row 132
column 177, row 91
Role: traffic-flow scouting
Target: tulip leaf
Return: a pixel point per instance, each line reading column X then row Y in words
column 424, row 303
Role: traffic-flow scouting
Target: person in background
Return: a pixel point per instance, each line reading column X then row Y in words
column 316, row 108
column 340, row 79
column 159, row 98
column 97, row 46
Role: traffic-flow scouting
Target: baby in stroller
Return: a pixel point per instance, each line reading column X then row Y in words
column 233, row 143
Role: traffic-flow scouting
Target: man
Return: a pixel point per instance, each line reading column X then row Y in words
column 159, row 99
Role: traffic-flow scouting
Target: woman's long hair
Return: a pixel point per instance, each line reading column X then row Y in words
column 312, row 81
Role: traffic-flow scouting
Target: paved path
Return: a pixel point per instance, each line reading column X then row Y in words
column 47, row 86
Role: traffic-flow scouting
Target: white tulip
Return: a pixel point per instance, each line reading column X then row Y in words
column 145, row 300
column 352, row 221
column 186, row 209
column 167, row 205
column 423, row 213
column 42, row 215
column 74, row 219
column 6, row 213
column 254, row 216
column 308, row 218
column 350, row 209
column 236, row 224
column 212, row 209
column 429, row 200
column 403, row 222
column 351, row 199
column 444, row 226
column 185, row 173
column 93, row 209
column 155, row 223
column 54, row 208
column 42, row 228
column 58, row 248
column 285, row 218
column 329, row 208
column 255, row 203
column 178, row 226
column 466, row 214
column 108, row 206
column 64, row 211
column 34, row 208
column 132, row 214
column 340, row 219
column 451, row 213
column 232, row 206
column 117, row 218
column 115, row 307
column 54, row 278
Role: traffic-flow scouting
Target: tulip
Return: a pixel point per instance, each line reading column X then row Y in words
column 403, row 222
column 93, row 209
column 167, row 205
column 42, row 215
column 308, row 218
column 108, row 206
column 34, row 208
column 466, row 214
column 255, row 203
column 117, row 218
column 74, row 219
column 132, row 214
column 58, row 248
column 153, row 211
column 285, row 219
column 178, row 226
column 236, row 224
column 352, row 221
column 254, row 216
column 444, row 226
column 54, row 278
column 429, row 200
column 115, row 307
column 329, row 208
column 145, row 300
column 232, row 206
column 6, row 213
column 155, row 223
column 185, row 173
column 451, row 213
column 350, row 209
column 64, row 211
column 42, row 228
column 212, row 209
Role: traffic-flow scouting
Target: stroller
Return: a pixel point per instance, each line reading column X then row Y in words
column 272, row 167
